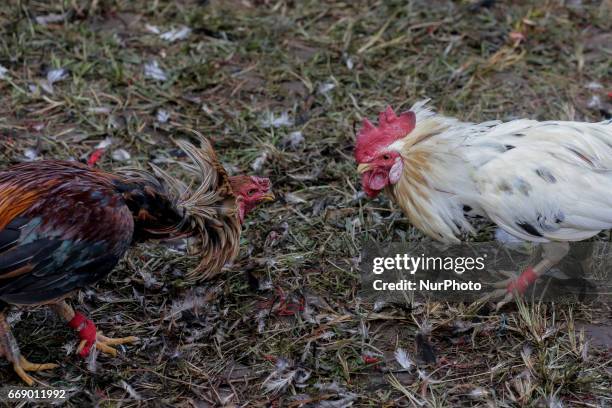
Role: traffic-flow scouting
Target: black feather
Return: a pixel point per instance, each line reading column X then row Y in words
column 425, row 350
column 8, row 239
column 528, row 228
column 26, row 253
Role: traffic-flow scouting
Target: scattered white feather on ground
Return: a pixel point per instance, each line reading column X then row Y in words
column 152, row 29
column 130, row 390
column 271, row 120
column 99, row 110
column 326, row 87
column 403, row 359
column 3, row 72
column 162, row 116
column 53, row 76
column 104, row 143
column 348, row 60
column 50, row 18
column 56, row 75
column 259, row 162
column 176, row 34
column 293, row 139
column 594, row 85
column 121, row 155
column 285, row 374
column 31, row 154
column 154, row 71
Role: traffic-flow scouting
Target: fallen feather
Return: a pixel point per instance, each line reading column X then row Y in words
column 162, row 116
column 121, row 155
column 153, row 71
column 294, row 198
column 348, row 60
column 3, row 72
column 379, row 305
column 176, row 34
column 47, row 87
column 130, row 390
column 56, row 75
column 104, row 143
column 265, row 284
column 192, row 300
column 92, row 359
column 402, row 358
column 478, row 392
column 259, row 161
column 326, row 87
column 293, row 140
column 103, row 110
column 50, row 18
column 273, row 121
column 594, row 85
column 278, row 382
column 284, row 375
column 31, row 154
column 152, row 29
column 325, row 90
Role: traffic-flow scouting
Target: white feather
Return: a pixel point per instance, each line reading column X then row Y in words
column 403, row 359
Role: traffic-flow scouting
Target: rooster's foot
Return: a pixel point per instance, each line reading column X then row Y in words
column 508, row 288
column 23, row 365
column 10, row 350
column 104, row 344
column 90, row 336
column 88, row 333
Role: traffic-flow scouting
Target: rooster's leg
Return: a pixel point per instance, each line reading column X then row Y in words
column 88, row 332
column 552, row 254
column 10, row 350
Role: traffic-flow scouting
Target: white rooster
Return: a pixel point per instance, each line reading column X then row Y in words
column 548, row 182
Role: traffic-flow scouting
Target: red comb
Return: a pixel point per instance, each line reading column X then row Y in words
column 263, row 182
column 391, row 127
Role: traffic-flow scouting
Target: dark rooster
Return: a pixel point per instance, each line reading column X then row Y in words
column 64, row 226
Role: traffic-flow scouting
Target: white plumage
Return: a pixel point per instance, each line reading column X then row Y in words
column 539, row 181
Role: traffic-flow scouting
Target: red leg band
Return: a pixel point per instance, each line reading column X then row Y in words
column 87, row 331
column 521, row 283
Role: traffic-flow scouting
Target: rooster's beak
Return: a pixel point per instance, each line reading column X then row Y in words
column 363, row 167
column 268, row 197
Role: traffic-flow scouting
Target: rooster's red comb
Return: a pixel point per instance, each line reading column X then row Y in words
column 391, row 127
column 262, row 182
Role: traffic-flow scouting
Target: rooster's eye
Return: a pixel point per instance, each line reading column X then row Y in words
column 250, row 192
column 386, row 157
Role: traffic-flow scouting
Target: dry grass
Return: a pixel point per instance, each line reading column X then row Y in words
column 284, row 326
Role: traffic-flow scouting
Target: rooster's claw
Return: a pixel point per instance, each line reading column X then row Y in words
column 104, row 343
column 24, row 365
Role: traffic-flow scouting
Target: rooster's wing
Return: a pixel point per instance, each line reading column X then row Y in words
column 61, row 228
column 553, row 183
